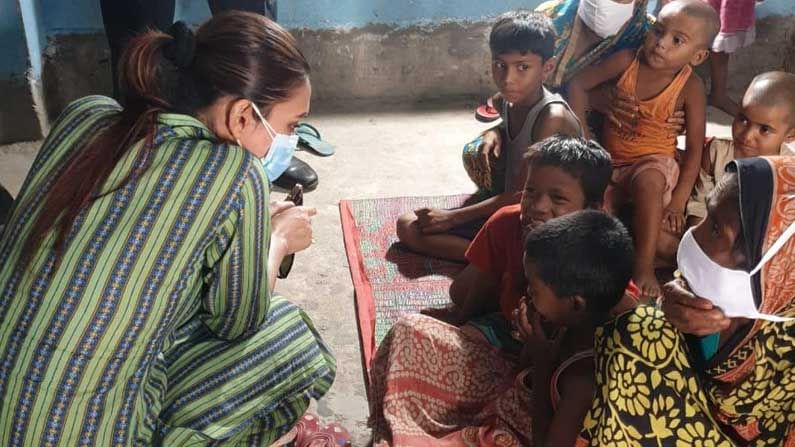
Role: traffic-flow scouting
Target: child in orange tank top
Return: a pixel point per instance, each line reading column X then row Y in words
column 660, row 76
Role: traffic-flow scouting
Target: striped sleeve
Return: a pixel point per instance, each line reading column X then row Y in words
column 237, row 298
column 79, row 118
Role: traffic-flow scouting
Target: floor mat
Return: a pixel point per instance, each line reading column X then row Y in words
column 389, row 280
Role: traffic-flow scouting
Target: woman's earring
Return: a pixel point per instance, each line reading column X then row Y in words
column 237, row 140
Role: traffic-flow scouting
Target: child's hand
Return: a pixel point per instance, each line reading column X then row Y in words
column 536, row 340
column 673, row 220
column 432, row 220
column 490, row 143
column 521, row 320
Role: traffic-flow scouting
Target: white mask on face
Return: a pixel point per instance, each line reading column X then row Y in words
column 605, row 17
column 728, row 289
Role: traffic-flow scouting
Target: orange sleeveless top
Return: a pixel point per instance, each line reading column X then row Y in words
column 648, row 134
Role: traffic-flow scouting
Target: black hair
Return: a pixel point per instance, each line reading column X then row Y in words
column 236, row 54
column 523, row 32
column 587, row 253
column 583, row 159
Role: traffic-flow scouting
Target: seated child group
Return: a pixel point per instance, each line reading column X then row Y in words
column 544, row 161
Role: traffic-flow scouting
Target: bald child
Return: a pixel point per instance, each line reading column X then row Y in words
column 646, row 177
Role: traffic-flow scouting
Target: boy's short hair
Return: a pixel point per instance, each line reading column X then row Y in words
column 523, row 32
column 582, row 159
column 700, row 10
column 774, row 89
column 587, row 253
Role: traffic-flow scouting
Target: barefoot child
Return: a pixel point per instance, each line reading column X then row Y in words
column 578, row 267
column 565, row 174
column 660, row 75
column 764, row 126
column 522, row 44
column 433, row 384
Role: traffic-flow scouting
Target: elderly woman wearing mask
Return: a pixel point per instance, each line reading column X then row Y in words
column 715, row 366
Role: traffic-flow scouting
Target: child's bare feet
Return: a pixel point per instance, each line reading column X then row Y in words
column 724, row 103
column 646, row 281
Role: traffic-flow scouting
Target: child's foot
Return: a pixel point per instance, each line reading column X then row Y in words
column 725, row 103
column 647, row 282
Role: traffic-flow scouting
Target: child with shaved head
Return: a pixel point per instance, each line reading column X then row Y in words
column 660, row 76
column 764, row 126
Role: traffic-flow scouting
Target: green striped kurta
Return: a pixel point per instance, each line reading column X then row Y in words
column 157, row 326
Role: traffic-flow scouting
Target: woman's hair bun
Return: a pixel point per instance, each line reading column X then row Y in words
column 182, row 49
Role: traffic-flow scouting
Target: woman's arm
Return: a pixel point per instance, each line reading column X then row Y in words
column 276, row 254
column 236, row 294
column 291, row 232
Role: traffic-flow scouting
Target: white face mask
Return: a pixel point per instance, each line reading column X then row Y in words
column 728, row 289
column 605, row 17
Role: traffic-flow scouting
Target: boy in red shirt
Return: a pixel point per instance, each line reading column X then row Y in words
column 565, row 174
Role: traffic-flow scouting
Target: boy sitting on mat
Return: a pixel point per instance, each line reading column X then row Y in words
column 565, row 175
column 522, row 45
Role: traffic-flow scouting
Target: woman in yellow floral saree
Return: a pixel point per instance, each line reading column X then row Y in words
column 658, row 387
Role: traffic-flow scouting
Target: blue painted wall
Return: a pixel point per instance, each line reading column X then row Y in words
column 775, row 7
column 26, row 25
column 13, row 51
column 83, row 16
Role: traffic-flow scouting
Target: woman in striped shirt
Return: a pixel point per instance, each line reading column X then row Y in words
column 137, row 267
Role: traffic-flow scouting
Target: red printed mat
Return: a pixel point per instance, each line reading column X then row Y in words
column 389, row 280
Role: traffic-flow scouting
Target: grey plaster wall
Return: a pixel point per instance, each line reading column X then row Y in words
column 19, row 120
column 385, row 63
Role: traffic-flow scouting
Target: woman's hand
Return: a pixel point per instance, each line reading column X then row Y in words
column 689, row 313
column 676, row 124
column 280, row 206
column 617, row 106
column 292, row 228
column 620, row 107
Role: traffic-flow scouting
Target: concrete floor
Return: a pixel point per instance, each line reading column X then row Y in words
column 385, row 151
